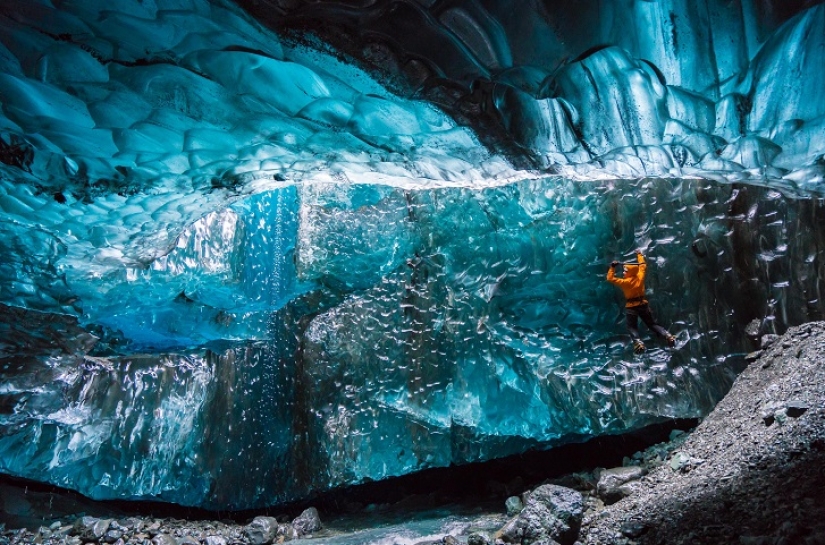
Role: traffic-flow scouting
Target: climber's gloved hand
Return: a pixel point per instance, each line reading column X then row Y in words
column 614, row 264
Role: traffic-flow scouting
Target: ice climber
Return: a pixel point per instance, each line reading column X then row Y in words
column 633, row 286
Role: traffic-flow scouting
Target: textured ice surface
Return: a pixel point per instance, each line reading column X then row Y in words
column 148, row 118
column 578, row 86
column 487, row 329
column 238, row 268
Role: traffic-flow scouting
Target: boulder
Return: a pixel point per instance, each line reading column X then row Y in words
column 514, row 505
column 91, row 527
column 551, row 514
column 611, row 482
column 307, row 522
column 262, row 530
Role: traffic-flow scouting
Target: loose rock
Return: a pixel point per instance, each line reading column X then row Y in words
column 307, row 522
column 746, row 474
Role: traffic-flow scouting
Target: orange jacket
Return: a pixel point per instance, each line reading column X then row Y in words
column 633, row 283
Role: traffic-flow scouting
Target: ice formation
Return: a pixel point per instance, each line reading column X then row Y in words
column 246, row 260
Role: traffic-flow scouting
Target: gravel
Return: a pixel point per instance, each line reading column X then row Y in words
column 753, row 471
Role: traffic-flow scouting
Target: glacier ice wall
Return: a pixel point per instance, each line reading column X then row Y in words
column 149, row 117
column 486, row 330
column 242, row 265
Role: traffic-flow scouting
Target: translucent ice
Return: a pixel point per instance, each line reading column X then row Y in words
column 483, row 328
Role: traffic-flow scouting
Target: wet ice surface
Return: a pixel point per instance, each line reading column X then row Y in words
column 112, row 147
column 485, row 330
column 410, row 528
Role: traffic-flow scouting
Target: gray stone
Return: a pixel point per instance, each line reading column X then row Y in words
column 261, row 530
column 477, row 539
column 512, row 531
column 634, row 529
column 628, row 489
column 99, row 530
column 286, row 532
column 564, row 503
column 551, row 514
column 514, row 505
column 82, row 524
column 679, row 461
column 611, row 481
column 111, row 536
column 752, row 329
column 440, row 541
column 164, row 539
column 214, row 540
column 768, row 340
column 307, row 522
column 133, row 523
column 154, row 528
column 91, row 527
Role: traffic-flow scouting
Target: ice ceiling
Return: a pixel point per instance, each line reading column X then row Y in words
column 255, row 251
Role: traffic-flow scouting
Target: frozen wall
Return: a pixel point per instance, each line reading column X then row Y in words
column 483, row 329
column 231, row 250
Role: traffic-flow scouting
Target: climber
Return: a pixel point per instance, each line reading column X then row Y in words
column 633, row 287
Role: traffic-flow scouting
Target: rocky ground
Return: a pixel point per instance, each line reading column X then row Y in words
column 752, row 473
column 166, row 531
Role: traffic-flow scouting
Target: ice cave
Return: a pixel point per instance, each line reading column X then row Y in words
column 256, row 250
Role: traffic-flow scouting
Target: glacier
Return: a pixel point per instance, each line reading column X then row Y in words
column 257, row 251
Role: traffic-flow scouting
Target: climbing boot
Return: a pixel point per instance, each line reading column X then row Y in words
column 671, row 340
column 638, row 346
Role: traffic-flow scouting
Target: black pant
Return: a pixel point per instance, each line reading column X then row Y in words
column 634, row 313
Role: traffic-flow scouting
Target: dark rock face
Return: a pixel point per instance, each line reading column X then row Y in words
column 740, row 477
